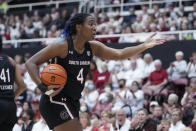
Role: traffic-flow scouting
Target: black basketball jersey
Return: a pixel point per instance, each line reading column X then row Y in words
column 7, row 75
column 77, row 67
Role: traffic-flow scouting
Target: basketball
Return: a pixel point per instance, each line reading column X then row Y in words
column 54, row 74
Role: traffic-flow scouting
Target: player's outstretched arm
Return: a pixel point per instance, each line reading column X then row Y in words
column 104, row 52
column 18, row 79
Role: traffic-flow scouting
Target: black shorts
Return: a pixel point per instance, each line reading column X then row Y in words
column 7, row 114
column 57, row 110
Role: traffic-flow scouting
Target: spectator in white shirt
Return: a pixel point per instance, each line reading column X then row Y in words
column 91, row 95
column 137, row 97
column 116, row 74
column 191, row 68
column 177, row 68
column 176, row 117
column 134, row 74
column 18, row 125
column 41, row 126
column 148, row 65
column 122, row 96
column 121, row 123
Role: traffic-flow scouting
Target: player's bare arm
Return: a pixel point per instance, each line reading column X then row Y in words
column 45, row 55
column 104, row 52
column 18, row 79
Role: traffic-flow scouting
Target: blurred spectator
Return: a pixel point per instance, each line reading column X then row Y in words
column 134, row 74
column 116, row 74
column 102, row 78
column 148, row 65
column 156, row 10
column 37, row 94
column 23, row 36
column 176, row 117
column 27, row 118
column 91, row 96
column 177, row 68
column 95, row 122
column 54, row 31
column 157, row 114
column 152, row 106
column 164, row 126
column 29, row 29
column 172, row 103
column 14, row 32
column 35, row 36
column 105, row 102
column 35, row 107
column 41, row 126
column 137, row 97
column 26, row 106
column 58, row 21
column 191, row 68
column 93, row 70
column 125, row 39
column 83, row 107
column 190, row 92
column 37, row 23
column 131, row 17
column 85, row 121
column 53, row 11
column 105, row 118
column 75, row 10
column 18, row 125
column 156, row 81
column 46, row 21
column 121, row 123
column 137, row 23
column 122, row 96
column 188, row 113
column 144, row 122
column 49, row 42
column 193, row 123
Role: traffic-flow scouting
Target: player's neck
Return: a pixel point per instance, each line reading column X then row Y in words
column 79, row 44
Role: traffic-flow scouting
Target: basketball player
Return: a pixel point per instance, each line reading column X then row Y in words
column 61, row 108
column 9, row 73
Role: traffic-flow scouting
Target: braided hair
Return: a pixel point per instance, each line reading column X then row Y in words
column 70, row 28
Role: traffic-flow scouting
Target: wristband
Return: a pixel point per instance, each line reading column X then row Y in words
column 42, row 87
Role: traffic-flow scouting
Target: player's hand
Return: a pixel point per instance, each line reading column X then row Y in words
column 150, row 42
column 53, row 90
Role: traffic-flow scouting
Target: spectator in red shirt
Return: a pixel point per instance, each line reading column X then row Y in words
column 94, row 71
column 156, row 81
column 102, row 78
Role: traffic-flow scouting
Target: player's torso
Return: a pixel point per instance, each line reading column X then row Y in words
column 7, row 73
column 77, row 67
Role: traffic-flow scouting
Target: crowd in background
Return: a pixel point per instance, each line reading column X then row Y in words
column 156, row 20
column 51, row 24
column 131, row 95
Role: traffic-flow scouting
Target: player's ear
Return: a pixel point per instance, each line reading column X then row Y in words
column 78, row 27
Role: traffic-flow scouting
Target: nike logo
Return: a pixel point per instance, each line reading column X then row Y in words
column 70, row 52
column 51, row 69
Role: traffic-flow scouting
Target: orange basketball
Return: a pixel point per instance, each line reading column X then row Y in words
column 54, row 74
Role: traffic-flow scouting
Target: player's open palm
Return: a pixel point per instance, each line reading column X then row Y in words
column 150, row 42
